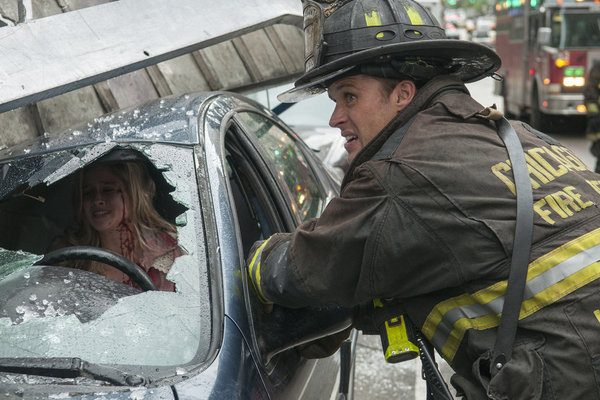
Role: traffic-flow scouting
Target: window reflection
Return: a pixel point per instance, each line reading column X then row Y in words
column 294, row 171
column 575, row 30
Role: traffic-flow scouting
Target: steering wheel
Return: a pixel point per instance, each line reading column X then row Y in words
column 129, row 268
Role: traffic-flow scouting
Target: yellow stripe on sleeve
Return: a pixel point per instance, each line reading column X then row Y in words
column 254, row 271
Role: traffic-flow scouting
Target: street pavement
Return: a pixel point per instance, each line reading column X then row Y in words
column 375, row 379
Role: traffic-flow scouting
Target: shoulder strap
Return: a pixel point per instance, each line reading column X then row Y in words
column 502, row 351
column 389, row 147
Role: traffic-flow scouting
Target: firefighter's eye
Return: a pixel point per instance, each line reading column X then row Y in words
column 349, row 97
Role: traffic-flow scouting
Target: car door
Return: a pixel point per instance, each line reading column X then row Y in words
column 276, row 184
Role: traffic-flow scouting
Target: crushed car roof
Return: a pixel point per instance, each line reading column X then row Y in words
column 169, row 120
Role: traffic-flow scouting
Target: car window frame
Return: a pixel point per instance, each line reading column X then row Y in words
column 265, row 188
column 308, row 155
column 275, row 369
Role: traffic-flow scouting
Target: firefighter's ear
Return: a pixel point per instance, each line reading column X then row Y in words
column 403, row 94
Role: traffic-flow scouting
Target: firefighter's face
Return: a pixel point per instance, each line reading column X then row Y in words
column 363, row 107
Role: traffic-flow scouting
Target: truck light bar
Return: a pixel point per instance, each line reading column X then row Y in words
column 573, row 81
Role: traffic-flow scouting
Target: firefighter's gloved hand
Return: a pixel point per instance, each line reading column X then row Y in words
column 253, row 263
column 324, row 347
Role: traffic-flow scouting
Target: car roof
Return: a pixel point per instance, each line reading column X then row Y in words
column 167, row 120
column 59, row 52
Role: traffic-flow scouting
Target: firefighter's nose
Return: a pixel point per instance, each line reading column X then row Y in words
column 337, row 117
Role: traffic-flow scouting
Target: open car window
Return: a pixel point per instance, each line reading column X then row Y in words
column 76, row 315
column 306, row 198
column 274, row 188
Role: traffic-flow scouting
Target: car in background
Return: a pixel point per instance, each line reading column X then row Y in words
column 455, row 32
column 485, row 31
column 228, row 173
column 487, row 38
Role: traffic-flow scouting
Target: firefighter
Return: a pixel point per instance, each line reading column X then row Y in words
column 427, row 209
column 591, row 94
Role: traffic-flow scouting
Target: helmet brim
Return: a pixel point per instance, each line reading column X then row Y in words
column 468, row 61
column 316, row 86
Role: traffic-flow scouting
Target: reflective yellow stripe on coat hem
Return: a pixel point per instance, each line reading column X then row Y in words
column 549, row 278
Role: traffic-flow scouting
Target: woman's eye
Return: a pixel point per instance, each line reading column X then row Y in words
column 105, row 191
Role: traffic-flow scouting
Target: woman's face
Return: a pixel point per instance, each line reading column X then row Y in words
column 104, row 199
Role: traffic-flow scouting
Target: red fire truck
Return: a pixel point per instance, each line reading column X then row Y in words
column 547, row 48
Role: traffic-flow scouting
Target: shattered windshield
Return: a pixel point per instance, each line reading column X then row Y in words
column 574, row 30
column 84, row 309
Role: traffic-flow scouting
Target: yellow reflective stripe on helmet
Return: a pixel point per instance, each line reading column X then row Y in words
column 549, row 278
column 254, row 271
column 373, row 18
column 413, row 15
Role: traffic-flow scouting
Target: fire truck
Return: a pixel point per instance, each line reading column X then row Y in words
column 547, row 48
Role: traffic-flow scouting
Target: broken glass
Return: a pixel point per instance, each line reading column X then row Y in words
column 150, row 328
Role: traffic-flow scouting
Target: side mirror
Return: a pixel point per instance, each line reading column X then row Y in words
column 543, row 36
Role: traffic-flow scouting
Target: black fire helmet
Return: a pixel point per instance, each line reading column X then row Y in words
column 386, row 38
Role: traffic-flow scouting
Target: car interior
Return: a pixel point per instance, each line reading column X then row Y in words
column 34, row 214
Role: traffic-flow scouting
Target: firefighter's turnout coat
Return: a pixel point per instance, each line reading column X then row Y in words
column 427, row 215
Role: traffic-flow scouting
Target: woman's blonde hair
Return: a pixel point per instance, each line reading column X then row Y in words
column 140, row 189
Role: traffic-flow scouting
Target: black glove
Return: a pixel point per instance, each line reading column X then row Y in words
column 324, row 347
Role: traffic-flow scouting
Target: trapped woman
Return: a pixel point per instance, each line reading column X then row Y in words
column 113, row 209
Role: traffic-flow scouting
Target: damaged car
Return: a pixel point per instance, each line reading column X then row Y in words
column 227, row 173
